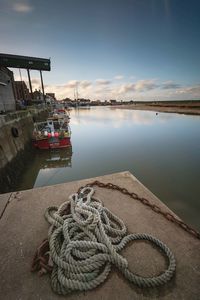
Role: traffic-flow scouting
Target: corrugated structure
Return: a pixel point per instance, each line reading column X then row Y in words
column 25, row 62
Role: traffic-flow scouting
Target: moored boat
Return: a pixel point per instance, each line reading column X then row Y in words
column 52, row 134
column 60, row 113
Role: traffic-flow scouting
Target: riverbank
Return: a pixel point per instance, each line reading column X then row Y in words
column 184, row 107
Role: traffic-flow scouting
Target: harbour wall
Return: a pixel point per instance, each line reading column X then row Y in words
column 15, row 145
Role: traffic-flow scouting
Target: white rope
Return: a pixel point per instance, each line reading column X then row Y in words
column 85, row 242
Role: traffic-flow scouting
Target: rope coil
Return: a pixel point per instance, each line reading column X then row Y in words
column 85, row 239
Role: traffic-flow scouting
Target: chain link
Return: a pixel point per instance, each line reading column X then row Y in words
column 146, row 202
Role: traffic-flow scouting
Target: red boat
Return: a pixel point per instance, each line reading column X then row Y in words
column 52, row 134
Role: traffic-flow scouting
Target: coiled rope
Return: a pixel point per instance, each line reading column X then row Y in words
column 85, row 239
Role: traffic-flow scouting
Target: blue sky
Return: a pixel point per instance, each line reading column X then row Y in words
column 127, row 49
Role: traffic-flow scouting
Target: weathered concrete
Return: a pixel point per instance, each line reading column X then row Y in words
column 14, row 151
column 23, row 227
column 11, row 145
column 7, row 99
column 4, row 199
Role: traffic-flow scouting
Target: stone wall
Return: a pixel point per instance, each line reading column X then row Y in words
column 7, row 100
column 15, row 145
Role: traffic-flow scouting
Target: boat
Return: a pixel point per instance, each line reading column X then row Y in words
column 60, row 112
column 54, row 133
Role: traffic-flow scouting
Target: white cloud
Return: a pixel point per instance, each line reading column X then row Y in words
column 85, row 83
column 22, row 7
column 104, row 90
column 72, row 84
column 119, row 77
column 167, row 85
column 138, row 87
column 145, row 85
column 35, row 81
column 85, row 89
column 126, row 91
column 193, row 91
column 103, row 81
column 126, row 88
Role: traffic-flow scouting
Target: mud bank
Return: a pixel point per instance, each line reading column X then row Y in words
column 192, row 109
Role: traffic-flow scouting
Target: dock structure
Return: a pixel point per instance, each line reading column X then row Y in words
column 23, row 227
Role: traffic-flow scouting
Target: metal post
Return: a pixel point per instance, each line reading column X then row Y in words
column 22, row 86
column 30, row 86
column 42, row 86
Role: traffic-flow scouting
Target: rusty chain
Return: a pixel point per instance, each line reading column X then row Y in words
column 146, row 202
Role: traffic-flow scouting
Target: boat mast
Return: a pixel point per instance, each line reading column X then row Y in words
column 77, row 91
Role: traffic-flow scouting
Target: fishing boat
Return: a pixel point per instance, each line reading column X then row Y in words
column 54, row 133
column 60, row 113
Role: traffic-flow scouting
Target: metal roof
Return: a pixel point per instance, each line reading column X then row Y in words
column 25, row 62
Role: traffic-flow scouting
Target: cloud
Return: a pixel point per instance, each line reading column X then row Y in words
column 85, row 89
column 193, row 91
column 127, row 91
column 145, row 85
column 85, row 84
column 103, row 82
column 146, row 89
column 22, row 7
column 119, row 77
column 72, row 84
column 102, row 90
column 138, row 86
column 126, row 88
column 35, row 81
column 167, row 85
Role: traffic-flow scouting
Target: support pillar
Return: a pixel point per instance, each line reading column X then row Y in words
column 30, row 85
column 42, row 87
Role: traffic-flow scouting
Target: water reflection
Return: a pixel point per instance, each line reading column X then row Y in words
column 44, row 167
column 51, row 165
column 161, row 150
column 117, row 117
column 54, row 158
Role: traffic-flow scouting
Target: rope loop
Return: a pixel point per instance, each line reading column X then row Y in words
column 85, row 239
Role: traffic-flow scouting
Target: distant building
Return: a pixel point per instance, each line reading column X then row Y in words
column 38, row 96
column 7, row 90
column 83, row 102
column 52, row 95
column 68, row 102
column 22, row 92
column 113, row 102
column 95, row 102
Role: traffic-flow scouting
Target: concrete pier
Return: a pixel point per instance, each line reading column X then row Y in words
column 23, row 227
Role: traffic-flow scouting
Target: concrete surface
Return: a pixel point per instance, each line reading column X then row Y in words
column 23, row 227
column 4, row 198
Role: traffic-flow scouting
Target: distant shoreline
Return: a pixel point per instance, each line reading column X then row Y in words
column 186, row 108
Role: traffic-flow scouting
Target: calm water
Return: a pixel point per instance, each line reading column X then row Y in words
column 162, row 151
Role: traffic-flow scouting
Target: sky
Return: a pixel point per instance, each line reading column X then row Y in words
column 108, row 49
